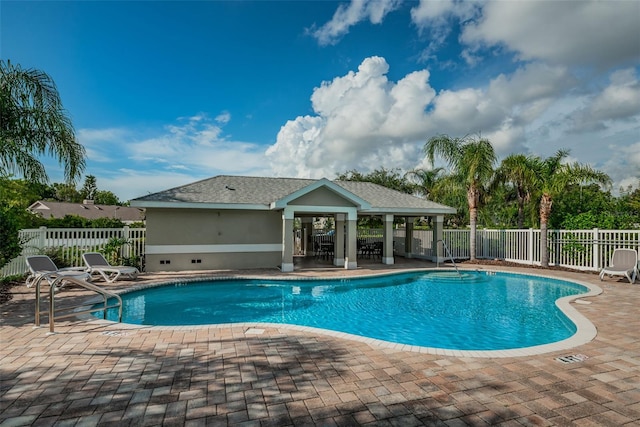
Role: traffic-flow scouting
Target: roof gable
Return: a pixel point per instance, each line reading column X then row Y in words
column 322, row 191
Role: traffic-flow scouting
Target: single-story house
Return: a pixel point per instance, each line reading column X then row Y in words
column 88, row 210
column 237, row 222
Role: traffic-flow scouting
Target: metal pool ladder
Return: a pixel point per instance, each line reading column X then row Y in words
column 444, row 245
column 70, row 311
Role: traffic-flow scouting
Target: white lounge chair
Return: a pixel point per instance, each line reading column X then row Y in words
column 97, row 264
column 624, row 262
column 42, row 265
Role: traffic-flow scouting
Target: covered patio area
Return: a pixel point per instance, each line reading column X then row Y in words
column 344, row 203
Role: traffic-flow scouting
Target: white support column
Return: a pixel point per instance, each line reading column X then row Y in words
column 338, row 241
column 307, row 233
column 287, row 240
column 350, row 261
column 437, row 245
column 387, row 239
column 408, row 238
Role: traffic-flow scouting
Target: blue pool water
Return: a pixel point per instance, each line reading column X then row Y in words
column 481, row 311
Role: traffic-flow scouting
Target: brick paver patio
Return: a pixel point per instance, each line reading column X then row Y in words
column 96, row 373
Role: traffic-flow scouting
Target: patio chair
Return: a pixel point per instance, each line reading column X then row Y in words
column 624, row 262
column 97, row 264
column 42, row 265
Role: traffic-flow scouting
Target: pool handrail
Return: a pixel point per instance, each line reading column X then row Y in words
column 444, row 245
column 56, row 285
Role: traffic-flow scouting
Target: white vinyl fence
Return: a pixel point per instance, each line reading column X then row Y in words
column 577, row 249
column 71, row 243
column 588, row 250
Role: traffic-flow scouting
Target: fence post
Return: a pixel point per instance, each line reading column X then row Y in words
column 530, row 246
column 485, row 245
column 42, row 237
column 126, row 249
column 596, row 250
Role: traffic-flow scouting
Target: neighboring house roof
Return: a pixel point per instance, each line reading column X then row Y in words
column 86, row 210
column 245, row 192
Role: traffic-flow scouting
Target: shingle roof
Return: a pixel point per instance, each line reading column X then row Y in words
column 90, row 211
column 230, row 189
column 239, row 190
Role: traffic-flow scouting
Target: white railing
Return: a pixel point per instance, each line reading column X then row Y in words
column 366, row 236
column 577, row 249
column 71, row 243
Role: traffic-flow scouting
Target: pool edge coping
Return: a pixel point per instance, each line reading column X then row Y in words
column 585, row 329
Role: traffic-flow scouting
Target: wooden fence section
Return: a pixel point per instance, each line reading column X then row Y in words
column 577, row 249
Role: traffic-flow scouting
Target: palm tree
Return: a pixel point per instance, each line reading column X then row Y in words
column 472, row 161
column 518, row 170
column 552, row 178
column 427, row 180
column 34, row 123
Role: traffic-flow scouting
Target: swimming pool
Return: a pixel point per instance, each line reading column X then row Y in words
column 482, row 311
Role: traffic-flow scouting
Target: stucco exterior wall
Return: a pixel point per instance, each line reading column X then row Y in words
column 321, row 197
column 201, row 239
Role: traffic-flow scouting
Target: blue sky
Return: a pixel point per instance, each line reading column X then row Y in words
column 164, row 93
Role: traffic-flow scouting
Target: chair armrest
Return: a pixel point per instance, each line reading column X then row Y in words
column 73, row 269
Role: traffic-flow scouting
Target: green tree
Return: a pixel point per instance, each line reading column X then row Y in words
column 471, row 160
column 427, row 180
column 66, row 193
column 499, row 208
column 583, row 207
column 104, row 197
column 393, row 179
column 387, row 178
column 34, row 123
column 450, row 192
column 16, row 195
column 10, row 244
column 517, row 170
column 627, row 208
column 89, row 188
column 552, row 178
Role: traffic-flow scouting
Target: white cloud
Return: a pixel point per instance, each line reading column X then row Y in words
column 98, row 142
column 530, row 83
column 192, row 148
column 347, row 16
column 129, row 183
column 587, row 32
column 362, row 120
column 432, row 19
column 198, row 144
column 224, row 117
column 622, row 164
column 619, row 100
